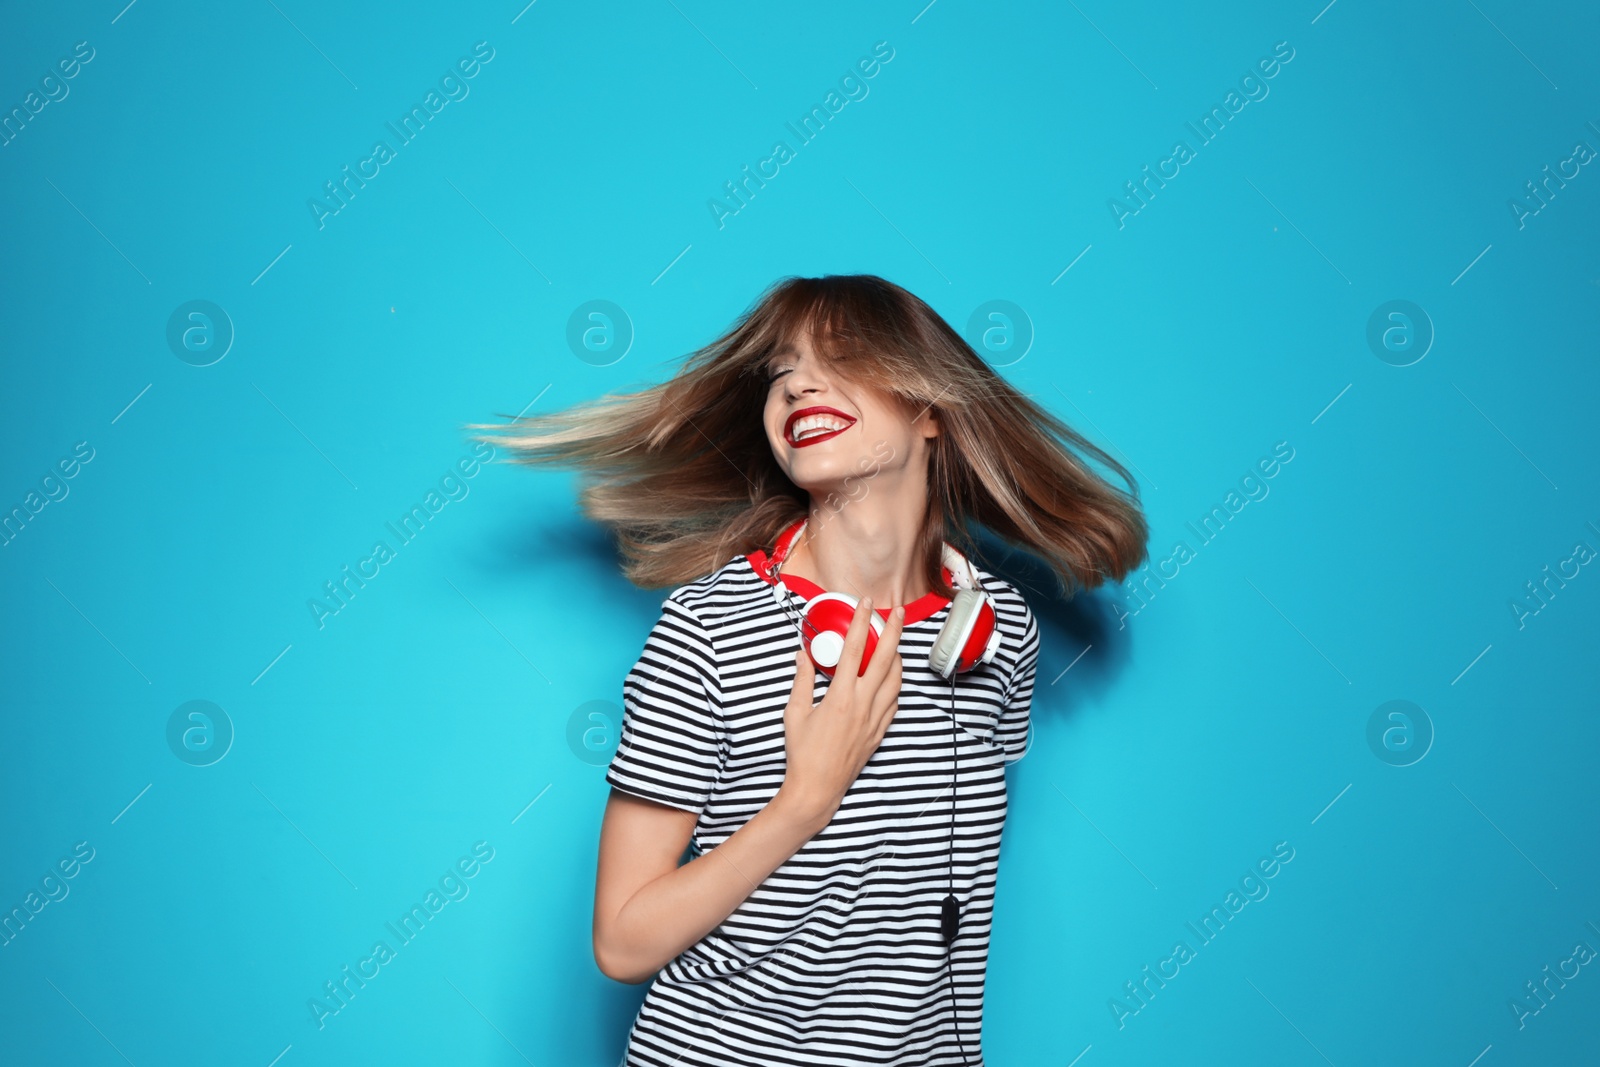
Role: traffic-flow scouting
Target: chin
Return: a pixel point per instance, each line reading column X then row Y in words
column 822, row 460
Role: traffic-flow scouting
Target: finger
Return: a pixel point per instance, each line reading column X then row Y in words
column 888, row 642
column 855, row 640
column 886, row 699
column 804, row 678
column 878, row 666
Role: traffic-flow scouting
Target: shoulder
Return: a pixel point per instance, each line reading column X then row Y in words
column 726, row 594
column 685, row 636
column 1016, row 615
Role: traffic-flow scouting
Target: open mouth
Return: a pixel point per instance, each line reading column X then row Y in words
column 810, row 425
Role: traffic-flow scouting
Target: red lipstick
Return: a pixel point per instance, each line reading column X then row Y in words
column 796, row 416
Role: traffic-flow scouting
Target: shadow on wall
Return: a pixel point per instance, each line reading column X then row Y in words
column 1078, row 632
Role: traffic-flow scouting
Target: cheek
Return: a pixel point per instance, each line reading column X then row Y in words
column 772, row 426
column 884, row 426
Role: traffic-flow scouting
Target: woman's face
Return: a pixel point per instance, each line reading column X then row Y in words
column 825, row 428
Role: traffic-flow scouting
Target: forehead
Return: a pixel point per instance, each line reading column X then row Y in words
column 801, row 341
column 793, row 346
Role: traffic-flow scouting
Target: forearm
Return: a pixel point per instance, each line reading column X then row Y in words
column 677, row 909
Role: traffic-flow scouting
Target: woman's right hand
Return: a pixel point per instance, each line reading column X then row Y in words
column 828, row 744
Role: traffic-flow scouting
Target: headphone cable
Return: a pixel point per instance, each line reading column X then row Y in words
column 950, row 912
column 950, row 916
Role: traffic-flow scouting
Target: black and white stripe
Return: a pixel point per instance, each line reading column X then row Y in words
column 836, row 958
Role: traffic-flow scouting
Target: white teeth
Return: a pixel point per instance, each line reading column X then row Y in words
column 813, row 425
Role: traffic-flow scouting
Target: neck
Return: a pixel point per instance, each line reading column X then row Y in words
column 863, row 550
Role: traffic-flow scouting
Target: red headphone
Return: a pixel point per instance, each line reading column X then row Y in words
column 968, row 638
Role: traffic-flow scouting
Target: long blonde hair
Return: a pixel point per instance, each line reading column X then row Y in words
column 684, row 475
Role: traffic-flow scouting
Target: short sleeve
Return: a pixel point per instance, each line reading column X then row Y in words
column 1011, row 733
column 670, row 748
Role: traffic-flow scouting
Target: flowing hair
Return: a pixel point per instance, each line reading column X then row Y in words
column 683, row 472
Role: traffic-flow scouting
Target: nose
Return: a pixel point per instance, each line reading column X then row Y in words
column 803, row 379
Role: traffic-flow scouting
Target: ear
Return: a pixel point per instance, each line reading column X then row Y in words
column 928, row 425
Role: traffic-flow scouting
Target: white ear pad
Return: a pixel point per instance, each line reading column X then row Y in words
column 958, row 626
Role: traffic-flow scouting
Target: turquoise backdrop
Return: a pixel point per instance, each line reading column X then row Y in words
column 1325, row 277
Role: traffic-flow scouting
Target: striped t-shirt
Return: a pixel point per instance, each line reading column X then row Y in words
column 836, row 957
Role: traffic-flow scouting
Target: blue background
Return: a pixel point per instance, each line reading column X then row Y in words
column 1178, row 737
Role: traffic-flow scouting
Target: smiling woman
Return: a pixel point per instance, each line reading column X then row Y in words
column 837, row 437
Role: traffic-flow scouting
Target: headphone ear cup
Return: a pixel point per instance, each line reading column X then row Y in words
column 823, row 628
column 966, row 638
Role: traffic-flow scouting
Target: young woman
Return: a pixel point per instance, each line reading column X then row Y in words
column 843, row 822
